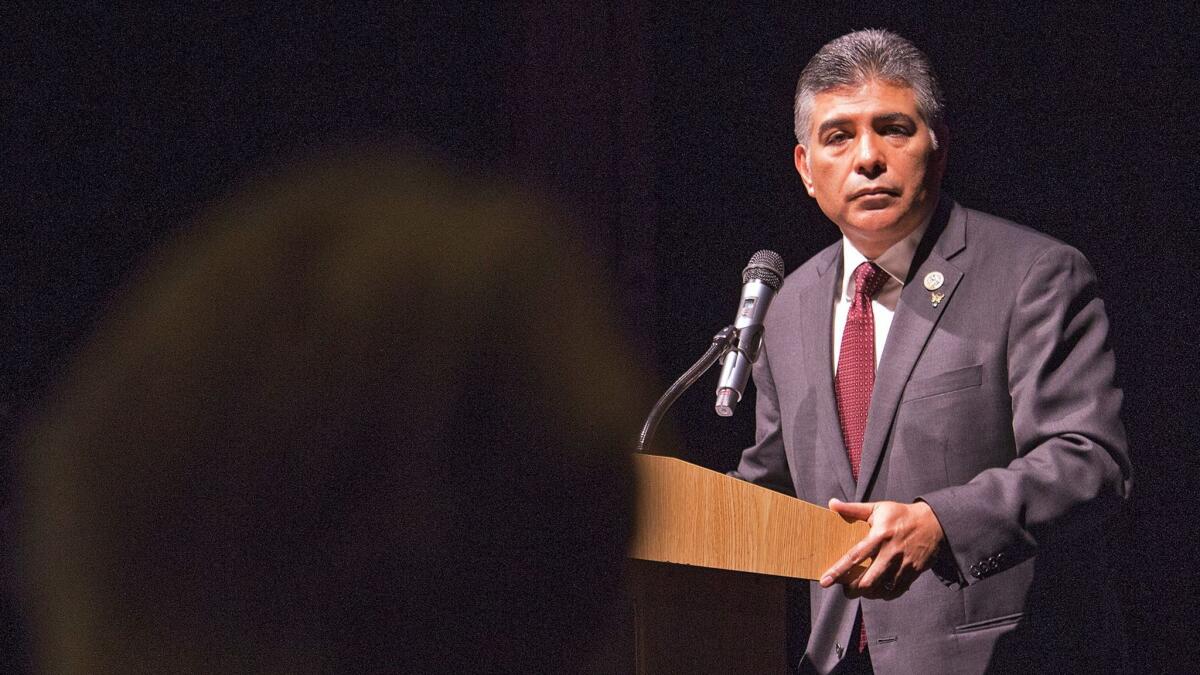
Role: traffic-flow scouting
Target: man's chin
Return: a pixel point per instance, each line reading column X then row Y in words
column 881, row 220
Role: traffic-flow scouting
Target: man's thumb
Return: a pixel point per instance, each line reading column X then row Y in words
column 854, row 510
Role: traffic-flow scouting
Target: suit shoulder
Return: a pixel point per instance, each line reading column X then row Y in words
column 1013, row 242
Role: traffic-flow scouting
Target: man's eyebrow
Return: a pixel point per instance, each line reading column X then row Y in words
column 831, row 123
column 894, row 117
column 885, row 118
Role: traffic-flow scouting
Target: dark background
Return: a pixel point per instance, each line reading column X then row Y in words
column 665, row 135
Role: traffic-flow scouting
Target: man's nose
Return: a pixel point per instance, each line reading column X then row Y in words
column 868, row 157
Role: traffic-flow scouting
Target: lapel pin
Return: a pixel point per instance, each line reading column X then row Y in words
column 935, row 297
column 933, row 281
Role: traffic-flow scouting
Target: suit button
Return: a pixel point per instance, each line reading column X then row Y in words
column 838, row 649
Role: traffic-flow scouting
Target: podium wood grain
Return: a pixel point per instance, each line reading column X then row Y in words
column 689, row 515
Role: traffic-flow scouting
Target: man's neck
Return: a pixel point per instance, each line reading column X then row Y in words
column 896, row 260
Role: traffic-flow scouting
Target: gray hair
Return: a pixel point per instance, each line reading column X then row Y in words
column 854, row 59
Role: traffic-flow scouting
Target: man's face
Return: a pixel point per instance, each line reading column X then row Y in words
column 870, row 163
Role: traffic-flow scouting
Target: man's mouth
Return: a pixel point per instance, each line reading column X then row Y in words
column 873, row 192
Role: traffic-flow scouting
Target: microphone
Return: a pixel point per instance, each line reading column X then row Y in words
column 760, row 280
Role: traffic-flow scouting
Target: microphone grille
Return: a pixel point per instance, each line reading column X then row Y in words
column 765, row 266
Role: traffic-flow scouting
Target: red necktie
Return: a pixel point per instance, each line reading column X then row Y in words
column 856, row 361
column 856, row 373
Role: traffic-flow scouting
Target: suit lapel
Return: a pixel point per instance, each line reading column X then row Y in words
column 818, row 342
column 914, row 320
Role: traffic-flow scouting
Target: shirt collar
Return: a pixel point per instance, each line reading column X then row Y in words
column 895, row 261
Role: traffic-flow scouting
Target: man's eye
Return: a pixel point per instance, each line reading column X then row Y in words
column 896, row 130
column 836, row 137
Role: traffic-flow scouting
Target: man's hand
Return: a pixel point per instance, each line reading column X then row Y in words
column 903, row 539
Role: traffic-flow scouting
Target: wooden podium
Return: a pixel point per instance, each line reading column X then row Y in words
column 712, row 555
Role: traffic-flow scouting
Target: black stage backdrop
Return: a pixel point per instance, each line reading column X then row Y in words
column 666, row 136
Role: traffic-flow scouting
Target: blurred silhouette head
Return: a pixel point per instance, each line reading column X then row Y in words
column 366, row 417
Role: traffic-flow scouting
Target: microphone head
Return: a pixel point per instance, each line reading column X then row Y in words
column 765, row 266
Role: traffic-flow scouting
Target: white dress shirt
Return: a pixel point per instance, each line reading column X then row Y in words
column 895, row 261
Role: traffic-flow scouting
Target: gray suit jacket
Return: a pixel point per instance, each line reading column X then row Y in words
column 997, row 406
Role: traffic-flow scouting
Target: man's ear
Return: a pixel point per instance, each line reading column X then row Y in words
column 942, row 154
column 802, row 167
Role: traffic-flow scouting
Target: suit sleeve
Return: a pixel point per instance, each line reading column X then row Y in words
column 765, row 462
column 1072, row 467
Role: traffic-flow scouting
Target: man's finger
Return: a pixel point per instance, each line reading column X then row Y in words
column 857, row 553
column 854, row 510
column 881, row 572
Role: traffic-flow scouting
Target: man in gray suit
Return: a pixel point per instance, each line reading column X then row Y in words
column 944, row 375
